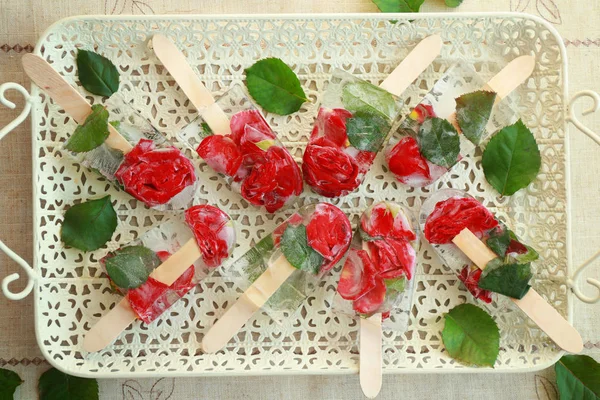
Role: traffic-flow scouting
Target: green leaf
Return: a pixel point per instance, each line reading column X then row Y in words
column 274, row 86
column 56, row 385
column 439, row 142
column 206, row 130
column 471, row 336
column 9, row 382
column 88, row 226
column 473, row 112
column 511, row 160
column 511, row 280
column 399, row 6
column 253, row 263
column 92, row 133
column 294, row 244
column 97, row 74
column 499, row 240
column 578, row 378
column 130, row 267
column 367, row 99
column 115, row 124
column 453, row 3
column 366, row 132
column 396, row 284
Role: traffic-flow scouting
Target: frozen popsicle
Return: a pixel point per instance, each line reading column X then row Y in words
column 378, row 278
column 159, row 268
column 458, row 114
column 463, row 231
column 353, row 121
column 233, row 138
column 135, row 156
column 306, row 245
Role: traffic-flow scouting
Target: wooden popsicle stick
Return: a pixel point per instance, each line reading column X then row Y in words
column 250, row 302
column 413, row 65
column 504, row 82
column 51, row 82
column 533, row 305
column 511, row 76
column 177, row 65
column 174, row 266
column 371, row 353
column 110, row 326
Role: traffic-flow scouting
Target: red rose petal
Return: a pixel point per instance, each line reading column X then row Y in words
column 451, row 216
column 208, row 224
column 153, row 298
column 393, row 257
column 380, row 221
column 252, row 118
column 273, row 181
column 328, row 170
column 516, row 247
column 470, row 276
column 331, row 123
column 153, row 175
column 357, row 276
column 221, row 154
column 329, row 233
column 407, row 164
column 372, row 300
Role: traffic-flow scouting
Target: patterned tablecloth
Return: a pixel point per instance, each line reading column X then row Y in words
column 22, row 22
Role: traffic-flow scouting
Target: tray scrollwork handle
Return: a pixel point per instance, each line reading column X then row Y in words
column 31, row 274
column 571, row 117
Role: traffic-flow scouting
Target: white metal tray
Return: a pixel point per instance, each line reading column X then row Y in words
column 71, row 293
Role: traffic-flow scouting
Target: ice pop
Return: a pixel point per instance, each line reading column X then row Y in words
column 308, row 244
column 425, row 146
column 353, row 121
column 233, row 138
column 159, row 268
column 255, row 162
column 378, row 277
column 135, row 156
column 463, row 231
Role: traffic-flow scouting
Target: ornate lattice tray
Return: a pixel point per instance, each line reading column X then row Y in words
column 71, row 293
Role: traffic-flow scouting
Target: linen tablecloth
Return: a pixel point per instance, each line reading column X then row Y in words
column 22, row 22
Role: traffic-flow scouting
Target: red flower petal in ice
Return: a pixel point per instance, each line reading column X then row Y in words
column 328, row 170
column 358, row 275
column 329, row 233
column 213, row 231
column 421, row 112
column 221, row 154
column 407, row 164
column 252, row 118
column 153, row 175
column 470, row 276
column 379, row 222
column 331, row 123
column 393, row 257
column 370, row 302
column 451, row 216
column 364, row 160
column 516, row 247
column 273, row 181
column 254, row 144
column 153, row 298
